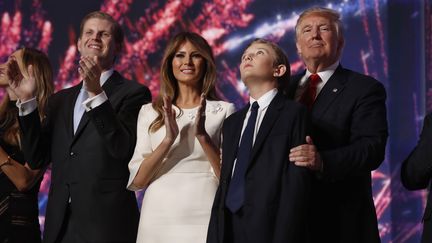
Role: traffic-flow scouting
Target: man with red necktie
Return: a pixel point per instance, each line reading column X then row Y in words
column 349, row 132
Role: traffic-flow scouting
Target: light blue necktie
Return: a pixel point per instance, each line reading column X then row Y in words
column 79, row 108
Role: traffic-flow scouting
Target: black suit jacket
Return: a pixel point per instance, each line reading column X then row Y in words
column 276, row 191
column 349, row 128
column 417, row 173
column 90, row 167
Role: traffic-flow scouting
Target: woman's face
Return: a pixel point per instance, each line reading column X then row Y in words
column 188, row 65
column 12, row 68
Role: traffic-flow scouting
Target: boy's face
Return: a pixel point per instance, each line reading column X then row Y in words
column 257, row 63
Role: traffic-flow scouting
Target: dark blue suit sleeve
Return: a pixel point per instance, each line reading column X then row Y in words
column 416, row 171
column 291, row 217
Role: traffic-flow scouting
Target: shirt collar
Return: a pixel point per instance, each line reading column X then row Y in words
column 265, row 99
column 105, row 76
column 324, row 74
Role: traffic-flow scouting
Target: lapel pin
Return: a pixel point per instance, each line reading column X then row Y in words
column 335, row 90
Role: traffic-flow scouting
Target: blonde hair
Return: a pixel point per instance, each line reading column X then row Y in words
column 168, row 83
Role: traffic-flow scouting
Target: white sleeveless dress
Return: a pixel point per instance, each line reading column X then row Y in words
column 177, row 204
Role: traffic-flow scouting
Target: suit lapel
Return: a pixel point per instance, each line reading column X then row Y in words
column 293, row 84
column 330, row 91
column 109, row 88
column 234, row 139
column 270, row 117
column 110, row 85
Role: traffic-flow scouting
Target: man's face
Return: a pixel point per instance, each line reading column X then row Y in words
column 97, row 40
column 257, row 63
column 317, row 40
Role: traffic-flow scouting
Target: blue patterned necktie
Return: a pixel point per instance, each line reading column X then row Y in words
column 236, row 190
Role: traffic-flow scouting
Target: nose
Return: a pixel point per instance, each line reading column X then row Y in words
column 4, row 65
column 188, row 60
column 96, row 36
column 316, row 33
column 3, row 69
column 248, row 57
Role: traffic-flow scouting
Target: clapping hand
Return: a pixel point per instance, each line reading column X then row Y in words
column 201, row 118
column 22, row 85
column 90, row 71
column 171, row 126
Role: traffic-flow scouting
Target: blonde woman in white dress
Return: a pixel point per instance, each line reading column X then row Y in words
column 177, row 155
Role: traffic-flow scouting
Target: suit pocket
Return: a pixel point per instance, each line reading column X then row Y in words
column 111, row 185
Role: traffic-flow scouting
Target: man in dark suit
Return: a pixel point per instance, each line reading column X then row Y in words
column 416, row 173
column 262, row 197
column 349, row 132
column 89, row 136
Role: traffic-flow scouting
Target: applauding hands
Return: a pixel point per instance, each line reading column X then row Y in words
column 23, row 85
column 90, row 72
column 171, row 126
column 201, row 118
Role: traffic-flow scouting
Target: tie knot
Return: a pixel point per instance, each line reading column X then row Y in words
column 314, row 79
column 255, row 106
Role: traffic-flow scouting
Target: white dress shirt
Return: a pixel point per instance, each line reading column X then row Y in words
column 263, row 102
column 324, row 75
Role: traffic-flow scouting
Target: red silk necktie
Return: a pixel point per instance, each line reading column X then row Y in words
column 309, row 95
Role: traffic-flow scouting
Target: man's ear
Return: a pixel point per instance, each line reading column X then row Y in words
column 280, row 70
column 298, row 49
column 79, row 44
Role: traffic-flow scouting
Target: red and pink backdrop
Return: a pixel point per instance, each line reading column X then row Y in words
column 385, row 39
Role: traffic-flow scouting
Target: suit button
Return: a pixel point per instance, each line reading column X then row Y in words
column 72, row 153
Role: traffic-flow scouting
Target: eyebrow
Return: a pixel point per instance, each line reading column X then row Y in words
column 319, row 24
column 184, row 52
column 263, row 49
column 260, row 48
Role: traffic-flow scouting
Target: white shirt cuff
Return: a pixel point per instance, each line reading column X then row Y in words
column 26, row 107
column 95, row 101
